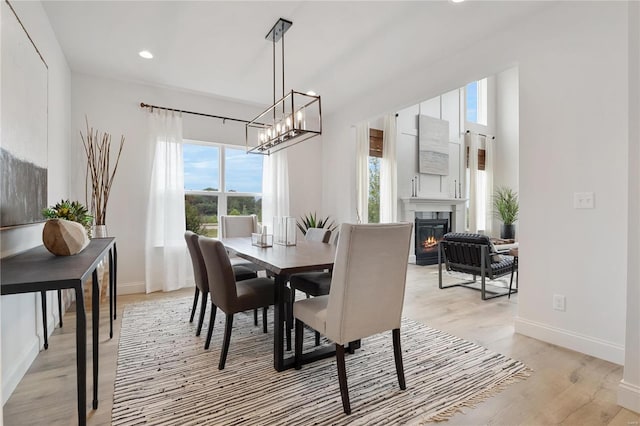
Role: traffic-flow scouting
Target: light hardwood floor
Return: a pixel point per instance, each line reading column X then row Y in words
column 566, row 387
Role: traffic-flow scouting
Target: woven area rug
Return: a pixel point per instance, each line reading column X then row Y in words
column 164, row 376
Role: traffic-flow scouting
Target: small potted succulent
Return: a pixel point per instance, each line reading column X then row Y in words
column 70, row 210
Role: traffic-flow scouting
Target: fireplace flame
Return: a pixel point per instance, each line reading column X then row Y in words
column 430, row 242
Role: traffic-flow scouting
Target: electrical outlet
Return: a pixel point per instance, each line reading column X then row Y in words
column 583, row 200
column 559, row 302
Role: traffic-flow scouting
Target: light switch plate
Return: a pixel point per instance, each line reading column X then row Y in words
column 583, row 200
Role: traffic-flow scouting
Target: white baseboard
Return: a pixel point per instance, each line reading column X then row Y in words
column 629, row 396
column 599, row 348
column 19, row 369
column 132, row 288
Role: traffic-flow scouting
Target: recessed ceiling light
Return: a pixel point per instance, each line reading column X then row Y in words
column 312, row 93
column 457, row 1
column 145, row 54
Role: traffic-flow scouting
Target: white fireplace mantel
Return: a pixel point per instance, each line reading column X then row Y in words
column 413, row 205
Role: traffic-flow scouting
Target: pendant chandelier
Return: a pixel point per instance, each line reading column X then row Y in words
column 294, row 118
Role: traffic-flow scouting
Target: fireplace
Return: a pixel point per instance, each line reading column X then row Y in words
column 429, row 229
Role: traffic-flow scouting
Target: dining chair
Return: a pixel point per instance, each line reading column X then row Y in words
column 200, row 276
column 239, row 227
column 312, row 283
column 366, row 296
column 231, row 296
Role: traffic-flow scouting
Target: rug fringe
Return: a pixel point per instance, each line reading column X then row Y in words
column 446, row 414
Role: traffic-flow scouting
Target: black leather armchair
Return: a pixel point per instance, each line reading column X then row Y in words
column 474, row 254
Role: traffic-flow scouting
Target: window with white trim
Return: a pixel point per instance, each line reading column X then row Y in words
column 219, row 179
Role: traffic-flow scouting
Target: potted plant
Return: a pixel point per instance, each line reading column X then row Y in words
column 70, row 210
column 505, row 203
column 311, row 221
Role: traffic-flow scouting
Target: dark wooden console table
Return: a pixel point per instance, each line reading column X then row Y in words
column 37, row 270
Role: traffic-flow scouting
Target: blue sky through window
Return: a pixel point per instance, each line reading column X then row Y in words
column 201, row 167
column 472, row 102
column 243, row 171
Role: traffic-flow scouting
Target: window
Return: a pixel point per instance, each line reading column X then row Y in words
column 476, row 100
column 375, row 154
column 219, row 179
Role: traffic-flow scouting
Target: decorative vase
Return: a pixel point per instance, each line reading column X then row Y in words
column 99, row 231
column 63, row 237
column 508, row 232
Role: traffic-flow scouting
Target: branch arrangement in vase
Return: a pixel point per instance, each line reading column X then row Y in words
column 98, row 150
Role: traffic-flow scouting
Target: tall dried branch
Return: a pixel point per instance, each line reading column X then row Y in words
column 99, row 173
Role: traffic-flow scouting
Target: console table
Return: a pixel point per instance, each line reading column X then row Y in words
column 37, row 270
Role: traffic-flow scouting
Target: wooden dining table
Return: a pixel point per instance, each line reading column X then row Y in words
column 282, row 261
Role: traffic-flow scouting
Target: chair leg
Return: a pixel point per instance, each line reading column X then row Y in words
column 317, row 342
column 212, row 321
column 397, row 355
column 203, row 308
column 225, row 344
column 298, row 348
column 255, row 317
column 342, row 378
column 264, row 320
column 195, row 303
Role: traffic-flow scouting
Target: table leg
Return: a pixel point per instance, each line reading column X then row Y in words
column 110, row 294
column 43, row 298
column 60, row 306
column 81, row 355
column 278, row 324
column 115, row 280
column 95, row 318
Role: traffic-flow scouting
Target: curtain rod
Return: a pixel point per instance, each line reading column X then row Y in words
column 480, row 134
column 143, row 105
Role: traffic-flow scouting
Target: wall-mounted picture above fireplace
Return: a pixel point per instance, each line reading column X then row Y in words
column 23, row 148
column 433, row 146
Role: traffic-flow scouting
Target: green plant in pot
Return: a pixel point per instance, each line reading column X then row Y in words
column 505, row 203
column 311, row 221
column 70, row 210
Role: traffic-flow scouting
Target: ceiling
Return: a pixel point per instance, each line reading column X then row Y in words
column 338, row 49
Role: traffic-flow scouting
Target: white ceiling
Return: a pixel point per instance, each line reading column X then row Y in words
column 338, row 49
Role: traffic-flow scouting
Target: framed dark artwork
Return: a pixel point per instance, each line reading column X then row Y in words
column 24, row 123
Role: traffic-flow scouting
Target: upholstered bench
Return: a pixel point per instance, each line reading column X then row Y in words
column 474, row 254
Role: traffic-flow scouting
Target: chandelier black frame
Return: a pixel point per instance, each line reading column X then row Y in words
column 295, row 117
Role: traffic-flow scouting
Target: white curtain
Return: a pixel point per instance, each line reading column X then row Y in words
column 165, row 248
column 488, row 183
column 471, row 146
column 389, row 173
column 362, row 172
column 275, row 187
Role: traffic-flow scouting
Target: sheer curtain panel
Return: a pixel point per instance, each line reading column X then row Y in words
column 488, row 184
column 389, row 173
column 471, row 148
column 165, row 247
column 362, row 172
column 275, row 187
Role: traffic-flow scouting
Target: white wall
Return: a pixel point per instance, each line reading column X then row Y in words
column 573, row 119
column 629, row 393
column 114, row 106
column 507, row 139
column 21, row 314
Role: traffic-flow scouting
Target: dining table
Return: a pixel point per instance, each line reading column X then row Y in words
column 281, row 261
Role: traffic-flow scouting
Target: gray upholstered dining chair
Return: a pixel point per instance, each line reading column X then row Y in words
column 231, row 296
column 366, row 296
column 200, row 276
column 240, row 227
